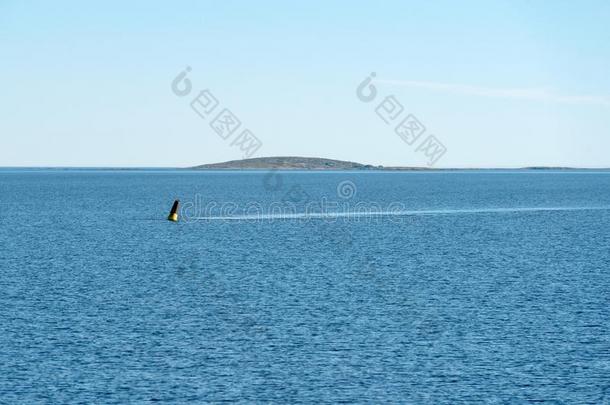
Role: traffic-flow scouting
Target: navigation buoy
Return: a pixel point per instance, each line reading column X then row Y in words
column 173, row 214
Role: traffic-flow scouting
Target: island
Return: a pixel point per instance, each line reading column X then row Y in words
column 295, row 163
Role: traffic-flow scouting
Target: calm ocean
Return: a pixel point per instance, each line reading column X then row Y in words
column 473, row 286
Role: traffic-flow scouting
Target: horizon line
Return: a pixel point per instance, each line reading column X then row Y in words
column 378, row 168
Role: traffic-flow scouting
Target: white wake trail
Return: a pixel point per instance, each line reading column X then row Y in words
column 398, row 213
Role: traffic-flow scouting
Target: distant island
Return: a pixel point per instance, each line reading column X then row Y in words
column 296, row 163
column 314, row 163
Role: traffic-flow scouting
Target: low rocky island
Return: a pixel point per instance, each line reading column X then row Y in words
column 295, row 163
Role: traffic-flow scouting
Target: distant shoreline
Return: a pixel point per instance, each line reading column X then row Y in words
column 323, row 164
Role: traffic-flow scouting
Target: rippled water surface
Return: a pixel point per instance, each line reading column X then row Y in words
column 489, row 287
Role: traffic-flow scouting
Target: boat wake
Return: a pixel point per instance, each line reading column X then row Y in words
column 398, row 213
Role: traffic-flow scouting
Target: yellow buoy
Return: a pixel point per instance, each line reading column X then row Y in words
column 173, row 214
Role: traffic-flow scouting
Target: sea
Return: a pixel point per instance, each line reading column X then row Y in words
column 444, row 287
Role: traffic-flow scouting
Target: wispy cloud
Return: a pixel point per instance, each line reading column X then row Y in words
column 535, row 94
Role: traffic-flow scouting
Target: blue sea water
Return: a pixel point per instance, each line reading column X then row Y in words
column 499, row 292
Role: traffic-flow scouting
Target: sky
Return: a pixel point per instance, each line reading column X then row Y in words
column 496, row 83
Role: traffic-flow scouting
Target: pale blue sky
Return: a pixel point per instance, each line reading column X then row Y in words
column 499, row 83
